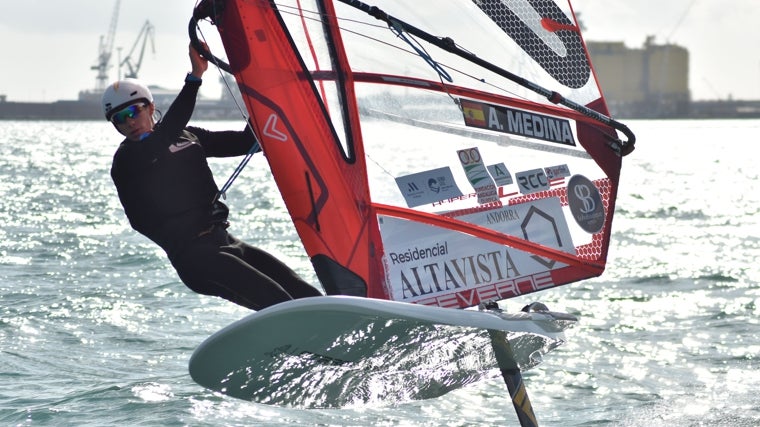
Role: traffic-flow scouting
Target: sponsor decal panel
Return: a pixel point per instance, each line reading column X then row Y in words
column 433, row 265
column 477, row 174
column 500, row 174
column 585, row 203
column 517, row 122
column 428, row 187
column 532, row 181
column 556, row 172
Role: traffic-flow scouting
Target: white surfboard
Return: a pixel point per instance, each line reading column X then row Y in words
column 337, row 351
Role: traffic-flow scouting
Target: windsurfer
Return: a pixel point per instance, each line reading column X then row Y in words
column 168, row 193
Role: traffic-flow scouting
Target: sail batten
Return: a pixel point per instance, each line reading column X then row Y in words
column 425, row 160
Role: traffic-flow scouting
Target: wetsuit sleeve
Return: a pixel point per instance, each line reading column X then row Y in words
column 224, row 143
column 179, row 113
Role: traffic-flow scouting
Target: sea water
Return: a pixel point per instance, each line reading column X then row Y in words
column 96, row 329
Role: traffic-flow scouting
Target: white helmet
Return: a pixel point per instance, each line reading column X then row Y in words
column 123, row 94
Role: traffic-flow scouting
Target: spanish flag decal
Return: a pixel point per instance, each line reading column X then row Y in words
column 473, row 113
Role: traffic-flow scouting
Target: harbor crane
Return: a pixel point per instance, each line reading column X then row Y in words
column 105, row 50
column 145, row 36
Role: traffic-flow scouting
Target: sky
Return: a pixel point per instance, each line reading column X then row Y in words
column 50, row 45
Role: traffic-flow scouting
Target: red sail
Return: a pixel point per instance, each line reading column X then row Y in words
column 415, row 173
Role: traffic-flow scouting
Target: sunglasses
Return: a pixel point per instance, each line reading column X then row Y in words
column 128, row 113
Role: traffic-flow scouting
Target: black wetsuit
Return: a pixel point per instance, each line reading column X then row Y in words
column 167, row 189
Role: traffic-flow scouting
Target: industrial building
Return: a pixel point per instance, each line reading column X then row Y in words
column 653, row 82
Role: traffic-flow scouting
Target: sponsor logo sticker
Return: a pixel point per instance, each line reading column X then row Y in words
column 585, row 204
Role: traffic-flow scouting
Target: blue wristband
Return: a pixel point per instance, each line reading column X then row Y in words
column 192, row 79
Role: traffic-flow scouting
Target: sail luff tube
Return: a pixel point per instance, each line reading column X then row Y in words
column 299, row 141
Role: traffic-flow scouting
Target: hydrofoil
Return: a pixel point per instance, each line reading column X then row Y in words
column 341, row 351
